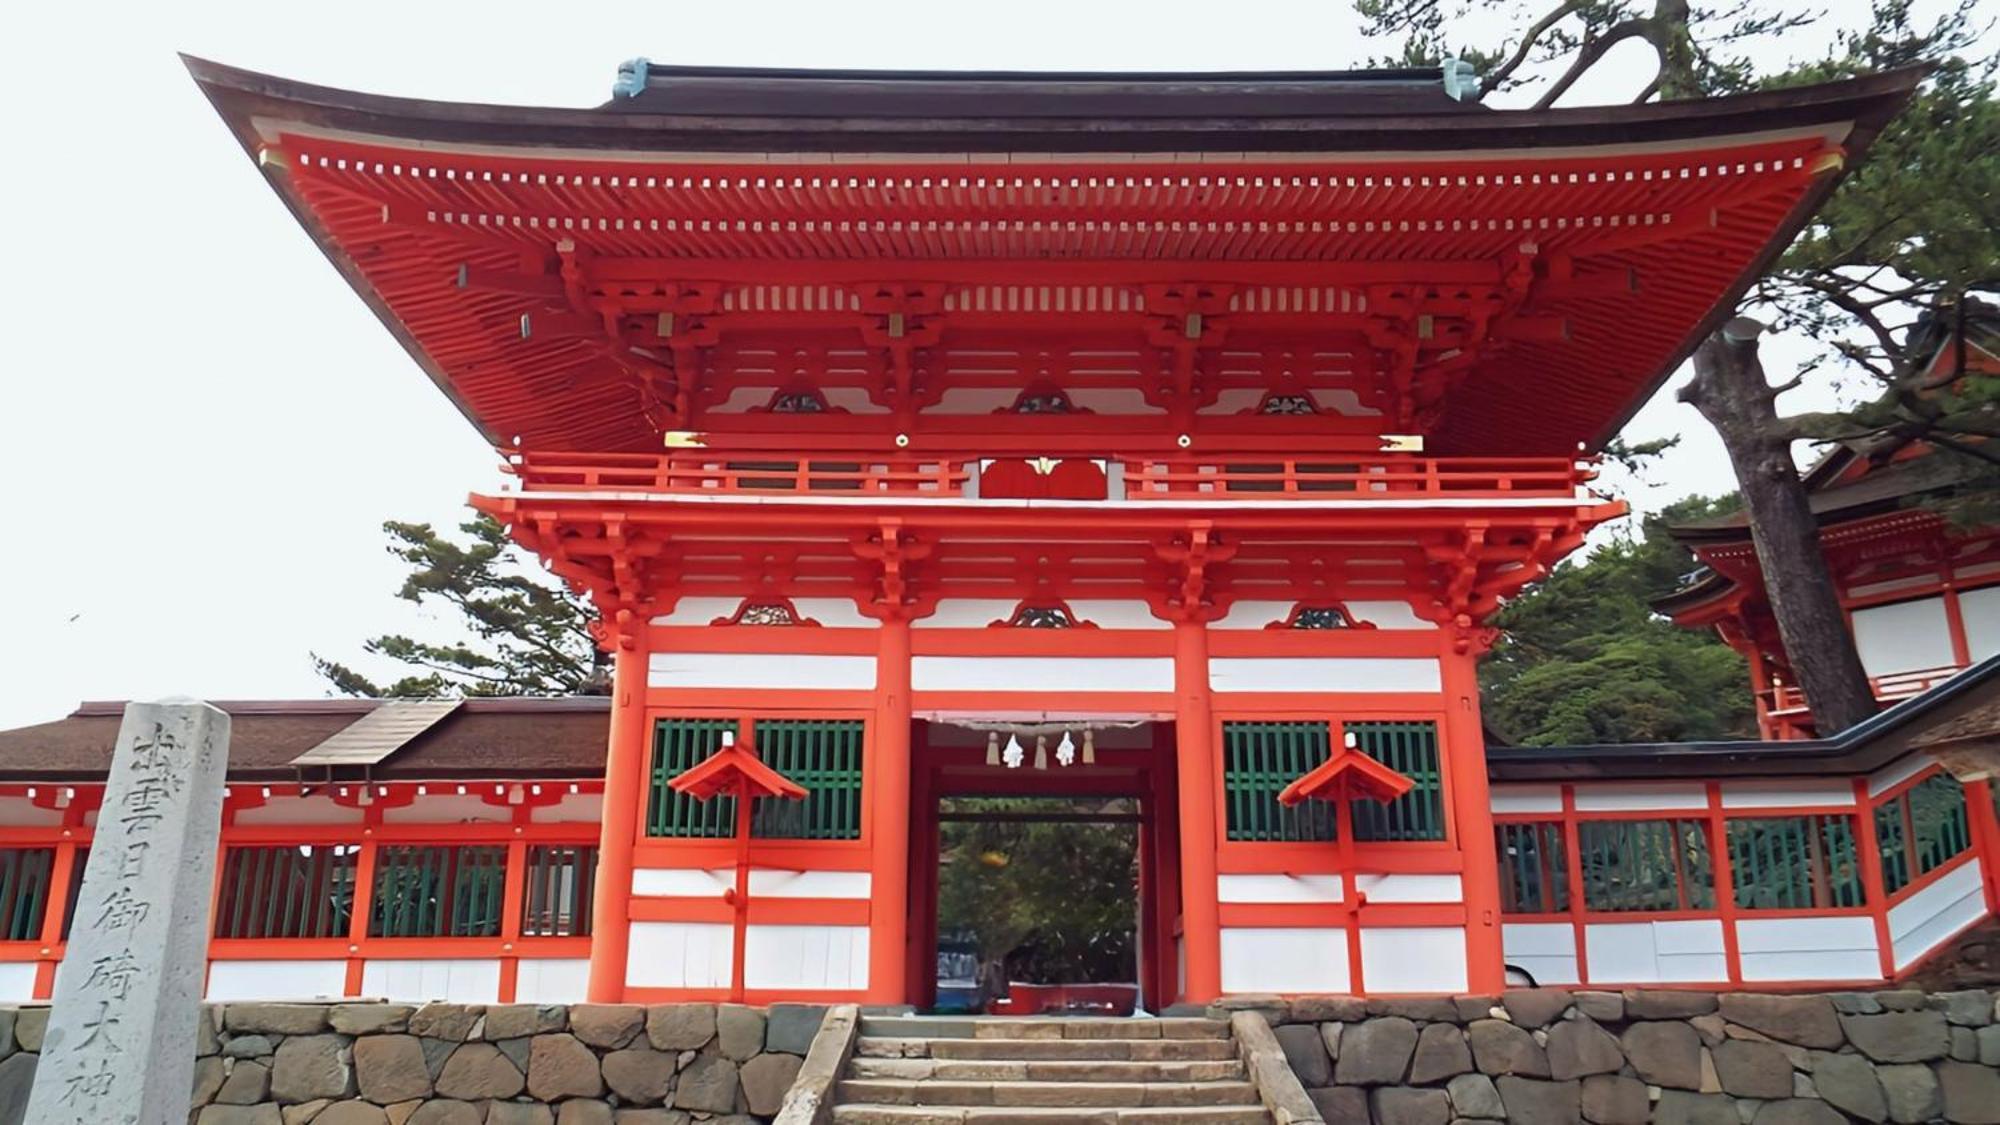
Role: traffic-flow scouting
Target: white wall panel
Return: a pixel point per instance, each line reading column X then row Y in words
column 1787, row 794
column 1389, row 615
column 1277, row 888
column 1655, row 952
column 449, row 809
column 20, row 812
column 775, row 883
column 1545, row 950
column 17, row 982
column 790, row 671
column 573, row 808
column 698, row 611
column 682, row 882
column 805, row 957
column 1275, row 959
column 1897, row 772
column 1981, row 611
column 552, row 980
column 835, row 613
column 967, row 613
column 1527, row 799
column 1930, row 917
column 1323, row 674
column 1252, row 614
column 1640, row 798
column 460, row 982
column 278, row 980
column 1802, row 949
column 1108, row 613
column 316, row 809
column 1903, row 637
column 1413, row 959
column 680, row 955
column 1409, row 888
column 1042, row 673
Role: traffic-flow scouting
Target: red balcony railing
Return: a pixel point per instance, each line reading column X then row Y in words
column 1322, row 478
column 1785, row 703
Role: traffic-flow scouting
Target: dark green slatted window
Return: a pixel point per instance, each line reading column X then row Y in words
column 1534, row 876
column 1411, row 749
column 556, row 891
column 824, row 755
column 677, row 745
column 75, row 889
column 425, row 891
column 1259, row 760
column 286, row 892
column 24, row 891
column 1921, row 829
column 1794, row 863
column 1634, row 865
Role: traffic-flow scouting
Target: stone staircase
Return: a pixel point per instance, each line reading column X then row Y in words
column 930, row 1070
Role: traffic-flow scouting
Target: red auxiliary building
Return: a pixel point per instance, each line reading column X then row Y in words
column 1182, row 429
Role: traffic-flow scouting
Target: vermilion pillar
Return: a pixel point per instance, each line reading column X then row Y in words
column 889, row 824
column 1472, row 815
column 624, row 775
column 1194, row 756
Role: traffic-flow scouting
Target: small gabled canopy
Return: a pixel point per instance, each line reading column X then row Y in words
column 1347, row 774
column 735, row 771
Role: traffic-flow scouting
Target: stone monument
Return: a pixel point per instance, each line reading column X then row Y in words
column 120, row 1046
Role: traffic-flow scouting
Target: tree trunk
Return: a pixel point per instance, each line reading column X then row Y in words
column 1729, row 389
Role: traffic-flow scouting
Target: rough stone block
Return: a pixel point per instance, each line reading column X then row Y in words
column 246, row 1047
column 453, row 1023
column 1441, row 1053
column 519, row 1021
column 245, row 1083
column 351, row 1113
column 640, row 1075
column 477, row 1071
column 1535, row 1007
column 680, row 1027
column 1473, row 1095
column 1971, row 1093
column 739, row 1032
column 1340, row 1103
column 560, row 1066
column 1404, row 1105
column 1848, row 1083
column 444, row 1111
column 1414, row 1007
column 765, row 1080
column 1376, row 1052
column 1579, row 1047
column 1899, row 1035
column 608, row 1026
column 1604, row 1007
column 1681, row 1107
column 789, row 1028
column 1327, row 1009
column 1752, row 1070
column 270, row 1019
column 266, row 1114
column 1912, row 1092
column 583, row 1111
column 17, row 1079
column 1971, row 1007
column 1797, row 1111
column 519, row 1113
column 1808, row 1021
column 312, row 1066
column 1615, row 1099
column 707, row 1085
column 1664, row 1004
column 1533, row 1102
column 391, row 1068
column 1664, row 1053
column 369, row 1019
column 1499, row 1047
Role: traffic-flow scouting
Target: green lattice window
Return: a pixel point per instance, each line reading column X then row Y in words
column 1258, row 761
column 431, row 891
column 1411, row 749
column 25, row 874
column 824, row 755
column 1921, row 829
column 556, row 890
column 1794, row 863
column 1534, row 877
column 297, row 891
column 1645, row 865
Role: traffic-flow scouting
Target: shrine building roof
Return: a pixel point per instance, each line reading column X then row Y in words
column 1494, row 281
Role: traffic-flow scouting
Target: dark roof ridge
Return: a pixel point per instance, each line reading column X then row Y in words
column 97, row 708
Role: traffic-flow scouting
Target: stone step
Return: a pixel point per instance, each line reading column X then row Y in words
column 1140, row 1050
column 958, row 1027
column 865, row 1114
column 1051, row 1070
column 1096, row 1095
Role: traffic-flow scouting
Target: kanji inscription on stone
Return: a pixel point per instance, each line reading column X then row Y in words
column 120, row 1046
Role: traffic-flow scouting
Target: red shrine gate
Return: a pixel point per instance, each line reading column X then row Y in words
column 859, row 402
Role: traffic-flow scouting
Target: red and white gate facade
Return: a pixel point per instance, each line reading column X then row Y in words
column 866, row 406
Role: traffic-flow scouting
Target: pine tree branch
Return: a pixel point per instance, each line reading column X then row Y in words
column 1529, row 38
column 1594, row 51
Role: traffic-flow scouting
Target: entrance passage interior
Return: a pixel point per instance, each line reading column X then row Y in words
column 1045, row 873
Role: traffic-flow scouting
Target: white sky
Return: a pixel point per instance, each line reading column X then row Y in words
column 201, row 426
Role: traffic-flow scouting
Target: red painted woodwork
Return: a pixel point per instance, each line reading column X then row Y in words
column 1345, row 775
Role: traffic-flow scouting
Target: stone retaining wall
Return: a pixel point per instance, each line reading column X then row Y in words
column 470, row 1064
column 1547, row 1056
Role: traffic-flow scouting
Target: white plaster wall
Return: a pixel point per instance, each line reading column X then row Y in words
column 552, row 980
column 20, row 812
column 1546, row 950
column 1323, row 674
column 1903, row 637
column 834, row 613
column 805, row 957
column 448, row 809
column 1409, row 888
column 1112, row 613
column 1389, row 615
column 1928, row 918
column 1897, row 772
column 278, row 980
column 1655, row 952
column 1413, row 959
column 1801, row 949
column 1280, row 959
column 1253, row 614
column 787, row 671
column 1042, row 673
column 17, row 982
column 1787, row 794
column 573, row 808
column 680, row 955
column 1980, row 610
column 1640, row 798
column 1277, row 888
column 681, row 882
column 1527, row 799
column 698, row 611
column 967, row 613
column 460, row 982
column 315, row 809
column 775, row 883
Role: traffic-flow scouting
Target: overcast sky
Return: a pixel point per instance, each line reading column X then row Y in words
column 203, row 426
